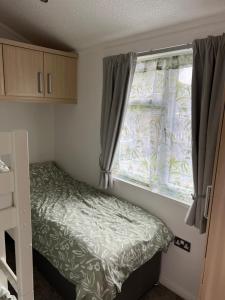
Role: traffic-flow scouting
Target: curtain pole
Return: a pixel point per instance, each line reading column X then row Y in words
column 168, row 49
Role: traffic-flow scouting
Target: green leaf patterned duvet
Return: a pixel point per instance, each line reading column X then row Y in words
column 95, row 240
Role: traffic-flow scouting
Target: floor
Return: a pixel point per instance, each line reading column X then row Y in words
column 161, row 293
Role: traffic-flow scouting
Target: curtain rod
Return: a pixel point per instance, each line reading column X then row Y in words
column 168, row 49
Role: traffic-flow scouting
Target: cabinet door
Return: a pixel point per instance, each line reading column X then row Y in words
column 23, row 71
column 214, row 270
column 1, row 74
column 60, row 76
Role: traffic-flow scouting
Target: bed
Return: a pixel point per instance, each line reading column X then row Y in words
column 93, row 243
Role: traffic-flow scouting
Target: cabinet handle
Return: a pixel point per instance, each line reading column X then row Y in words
column 40, row 82
column 207, row 199
column 49, row 80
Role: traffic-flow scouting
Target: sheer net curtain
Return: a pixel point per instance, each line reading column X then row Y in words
column 155, row 143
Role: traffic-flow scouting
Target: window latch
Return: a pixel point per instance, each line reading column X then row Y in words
column 165, row 133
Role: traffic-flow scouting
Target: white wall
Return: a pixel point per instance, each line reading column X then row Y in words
column 77, row 127
column 38, row 119
column 7, row 33
column 77, row 146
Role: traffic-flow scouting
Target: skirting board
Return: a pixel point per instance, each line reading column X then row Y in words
column 177, row 289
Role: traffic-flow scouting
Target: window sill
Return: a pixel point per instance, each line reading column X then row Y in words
column 146, row 188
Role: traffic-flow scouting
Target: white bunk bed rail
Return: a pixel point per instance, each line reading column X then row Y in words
column 16, row 218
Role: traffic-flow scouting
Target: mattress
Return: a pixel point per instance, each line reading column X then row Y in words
column 94, row 240
column 3, row 167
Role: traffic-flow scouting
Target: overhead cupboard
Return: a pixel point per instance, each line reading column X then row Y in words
column 37, row 74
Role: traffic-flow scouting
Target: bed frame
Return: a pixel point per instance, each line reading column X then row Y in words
column 137, row 284
column 15, row 214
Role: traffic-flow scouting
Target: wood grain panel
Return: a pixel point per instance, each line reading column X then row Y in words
column 22, row 68
column 60, row 76
column 2, row 92
column 214, row 271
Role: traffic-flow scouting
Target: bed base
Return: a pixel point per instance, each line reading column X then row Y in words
column 138, row 283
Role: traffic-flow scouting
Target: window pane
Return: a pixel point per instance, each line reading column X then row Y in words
column 148, row 83
column 155, row 143
column 180, row 165
column 138, row 147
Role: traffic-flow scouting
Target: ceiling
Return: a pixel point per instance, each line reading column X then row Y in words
column 78, row 24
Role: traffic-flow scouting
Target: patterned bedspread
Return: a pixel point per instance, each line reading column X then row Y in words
column 95, row 240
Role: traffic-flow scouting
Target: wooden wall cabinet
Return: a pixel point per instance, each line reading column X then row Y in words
column 36, row 74
column 60, row 76
column 2, row 92
column 23, row 72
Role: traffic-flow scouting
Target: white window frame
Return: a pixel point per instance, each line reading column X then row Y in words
column 117, row 177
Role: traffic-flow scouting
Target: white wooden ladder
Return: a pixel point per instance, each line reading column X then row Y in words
column 16, row 218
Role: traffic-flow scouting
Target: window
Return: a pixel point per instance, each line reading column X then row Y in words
column 155, row 144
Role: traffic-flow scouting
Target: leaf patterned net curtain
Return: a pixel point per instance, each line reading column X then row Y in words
column 155, row 143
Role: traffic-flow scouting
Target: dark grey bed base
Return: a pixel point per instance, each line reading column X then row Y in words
column 138, row 283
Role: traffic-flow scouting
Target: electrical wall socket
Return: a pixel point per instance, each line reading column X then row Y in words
column 185, row 245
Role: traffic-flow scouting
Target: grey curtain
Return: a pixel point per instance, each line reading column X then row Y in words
column 208, row 84
column 118, row 72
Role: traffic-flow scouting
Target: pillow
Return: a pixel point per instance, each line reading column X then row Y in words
column 45, row 172
column 3, row 167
